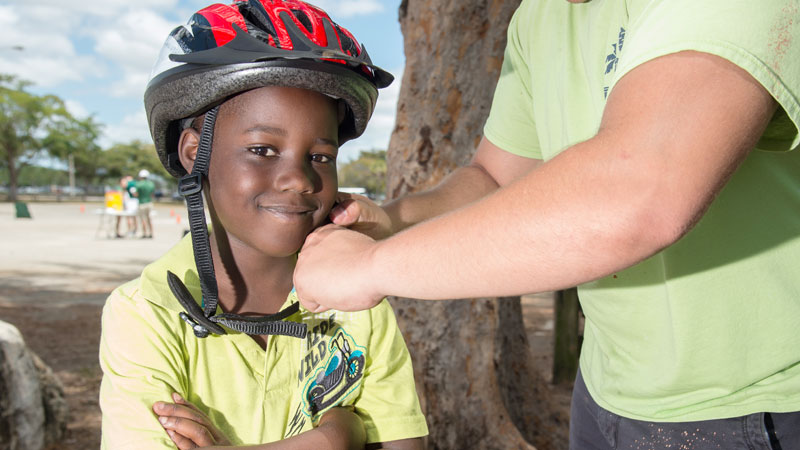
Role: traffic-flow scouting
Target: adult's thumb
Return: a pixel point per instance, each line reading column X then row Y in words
column 345, row 213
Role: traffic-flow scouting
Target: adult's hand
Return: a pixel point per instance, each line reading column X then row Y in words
column 361, row 214
column 334, row 270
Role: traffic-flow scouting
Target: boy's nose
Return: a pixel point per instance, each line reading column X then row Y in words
column 296, row 177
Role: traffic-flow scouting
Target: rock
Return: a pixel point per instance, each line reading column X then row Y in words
column 56, row 413
column 33, row 411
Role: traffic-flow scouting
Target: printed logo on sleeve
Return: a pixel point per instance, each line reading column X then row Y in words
column 613, row 58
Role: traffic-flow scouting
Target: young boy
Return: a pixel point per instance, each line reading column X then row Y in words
column 208, row 346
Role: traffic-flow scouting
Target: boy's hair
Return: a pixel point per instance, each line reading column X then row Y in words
column 225, row 50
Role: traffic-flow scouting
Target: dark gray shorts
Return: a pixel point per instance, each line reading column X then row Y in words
column 593, row 428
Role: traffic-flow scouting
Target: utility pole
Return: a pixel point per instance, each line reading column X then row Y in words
column 71, row 160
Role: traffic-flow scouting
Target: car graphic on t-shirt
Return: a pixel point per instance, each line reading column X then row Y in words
column 342, row 370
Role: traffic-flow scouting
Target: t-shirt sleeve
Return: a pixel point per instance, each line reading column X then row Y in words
column 763, row 38
column 141, row 365
column 511, row 124
column 388, row 402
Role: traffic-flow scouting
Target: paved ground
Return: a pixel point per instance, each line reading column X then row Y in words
column 57, row 268
column 64, row 248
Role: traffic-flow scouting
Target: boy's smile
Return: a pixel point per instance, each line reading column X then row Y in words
column 272, row 176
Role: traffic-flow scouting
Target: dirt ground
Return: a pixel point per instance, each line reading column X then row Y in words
column 57, row 268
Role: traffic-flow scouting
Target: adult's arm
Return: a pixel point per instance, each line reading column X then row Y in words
column 673, row 131
column 490, row 168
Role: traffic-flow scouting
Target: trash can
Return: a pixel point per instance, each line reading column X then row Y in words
column 22, row 210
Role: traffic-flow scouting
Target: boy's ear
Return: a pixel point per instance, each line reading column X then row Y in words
column 187, row 148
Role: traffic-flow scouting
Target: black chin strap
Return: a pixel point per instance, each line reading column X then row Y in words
column 204, row 321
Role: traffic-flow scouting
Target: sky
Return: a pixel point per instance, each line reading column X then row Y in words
column 97, row 55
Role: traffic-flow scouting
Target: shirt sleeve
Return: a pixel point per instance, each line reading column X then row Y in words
column 763, row 38
column 141, row 365
column 511, row 124
column 388, row 403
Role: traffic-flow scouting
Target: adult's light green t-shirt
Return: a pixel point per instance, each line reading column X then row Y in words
column 710, row 327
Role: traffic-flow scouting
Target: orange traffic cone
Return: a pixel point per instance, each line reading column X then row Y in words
column 172, row 213
column 178, row 219
column 83, row 208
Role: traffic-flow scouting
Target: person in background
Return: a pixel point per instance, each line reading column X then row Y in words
column 130, row 206
column 144, row 193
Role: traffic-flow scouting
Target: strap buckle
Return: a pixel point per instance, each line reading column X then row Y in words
column 190, row 184
column 199, row 330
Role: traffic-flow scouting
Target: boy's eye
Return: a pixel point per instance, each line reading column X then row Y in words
column 320, row 158
column 262, row 151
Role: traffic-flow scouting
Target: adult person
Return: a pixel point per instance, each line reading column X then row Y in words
column 641, row 150
column 144, row 193
column 130, row 206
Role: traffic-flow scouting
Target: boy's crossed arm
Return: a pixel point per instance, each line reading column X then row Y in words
column 188, row 427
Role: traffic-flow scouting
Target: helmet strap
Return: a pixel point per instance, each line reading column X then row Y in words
column 206, row 321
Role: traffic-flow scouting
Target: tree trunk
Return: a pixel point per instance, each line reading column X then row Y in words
column 13, row 174
column 471, row 358
column 565, row 339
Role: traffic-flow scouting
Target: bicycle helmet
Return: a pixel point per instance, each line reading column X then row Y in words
column 225, row 50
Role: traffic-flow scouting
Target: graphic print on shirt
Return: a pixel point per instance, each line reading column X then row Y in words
column 330, row 371
column 613, row 58
column 338, row 376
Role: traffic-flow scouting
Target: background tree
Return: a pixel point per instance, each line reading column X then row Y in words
column 472, row 363
column 24, row 119
column 37, row 176
column 129, row 158
column 367, row 171
column 76, row 138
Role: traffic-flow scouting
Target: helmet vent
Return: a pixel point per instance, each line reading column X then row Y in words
column 348, row 46
column 303, row 18
column 258, row 23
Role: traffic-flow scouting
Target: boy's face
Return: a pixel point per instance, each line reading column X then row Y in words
column 272, row 175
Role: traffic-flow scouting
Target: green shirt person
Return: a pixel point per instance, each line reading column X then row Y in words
column 144, row 192
column 645, row 151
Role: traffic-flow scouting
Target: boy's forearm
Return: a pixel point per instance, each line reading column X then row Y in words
column 339, row 429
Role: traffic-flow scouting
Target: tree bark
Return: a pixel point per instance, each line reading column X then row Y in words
column 471, row 358
column 13, row 172
column 565, row 340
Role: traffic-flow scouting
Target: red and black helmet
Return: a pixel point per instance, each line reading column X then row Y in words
column 227, row 49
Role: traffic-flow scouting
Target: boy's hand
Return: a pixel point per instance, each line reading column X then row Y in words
column 361, row 214
column 186, row 425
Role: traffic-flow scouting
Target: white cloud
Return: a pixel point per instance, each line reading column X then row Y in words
column 37, row 52
column 133, row 126
column 45, row 72
column 133, row 42
column 76, row 109
column 349, row 8
column 126, row 37
column 97, row 8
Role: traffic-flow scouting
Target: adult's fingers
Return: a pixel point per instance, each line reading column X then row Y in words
column 361, row 214
column 346, row 212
